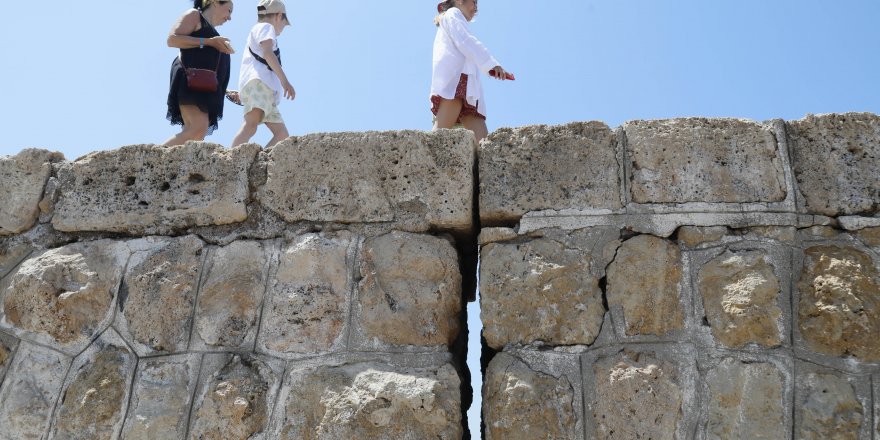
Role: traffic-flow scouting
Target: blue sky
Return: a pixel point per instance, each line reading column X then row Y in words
column 86, row 76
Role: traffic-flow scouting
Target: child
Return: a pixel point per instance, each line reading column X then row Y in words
column 262, row 80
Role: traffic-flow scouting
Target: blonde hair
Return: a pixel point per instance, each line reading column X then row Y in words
column 443, row 7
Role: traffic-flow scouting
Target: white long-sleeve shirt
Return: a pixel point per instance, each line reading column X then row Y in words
column 457, row 51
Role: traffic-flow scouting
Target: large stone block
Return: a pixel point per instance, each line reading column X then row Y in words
column 410, row 291
column 836, row 161
column 22, row 179
column 307, row 305
column 746, row 401
column 645, row 285
column 29, row 392
column 63, row 297
column 153, row 189
column 537, row 168
column 414, row 179
column 828, row 406
column 369, row 401
column 740, row 292
column 158, row 293
column 161, row 398
column 704, row 160
column 519, row 402
column 839, row 307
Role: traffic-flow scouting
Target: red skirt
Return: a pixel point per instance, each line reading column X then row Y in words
column 460, row 93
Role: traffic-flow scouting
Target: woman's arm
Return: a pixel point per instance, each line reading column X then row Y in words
column 272, row 60
column 456, row 25
column 188, row 23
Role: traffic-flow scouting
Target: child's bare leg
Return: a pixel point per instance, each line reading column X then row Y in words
column 279, row 132
column 248, row 127
column 447, row 114
column 476, row 125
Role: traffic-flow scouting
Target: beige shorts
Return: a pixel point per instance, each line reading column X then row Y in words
column 256, row 94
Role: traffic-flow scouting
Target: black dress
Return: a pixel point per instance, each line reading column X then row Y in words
column 206, row 58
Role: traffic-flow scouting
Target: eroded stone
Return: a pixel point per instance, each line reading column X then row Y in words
column 693, row 236
column 741, row 299
column 22, row 179
column 870, row 236
column 746, row 401
column 29, row 392
column 827, row 408
column 161, row 397
column 10, row 255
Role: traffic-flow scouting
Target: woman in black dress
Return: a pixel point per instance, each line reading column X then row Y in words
column 202, row 47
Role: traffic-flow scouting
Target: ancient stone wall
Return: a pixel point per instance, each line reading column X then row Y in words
column 674, row 279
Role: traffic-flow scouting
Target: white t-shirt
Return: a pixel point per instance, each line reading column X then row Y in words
column 252, row 69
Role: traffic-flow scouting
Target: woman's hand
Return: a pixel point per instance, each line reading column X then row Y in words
column 499, row 73
column 289, row 91
column 220, row 43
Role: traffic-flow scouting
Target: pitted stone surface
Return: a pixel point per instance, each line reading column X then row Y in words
column 414, row 179
column 410, row 292
column 637, row 396
column 22, row 179
column 65, row 296
column 370, row 401
column 543, row 167
column 827, row 408
column 521, row 403
column 307, row 304
column 231, row 295
column 836, row 160
column 741, row 299
column 746, row 401
column 538, row 290
column 644, row 280
column 29, row 392
column 235, row 403
column 161, row 398
column 704, row 160
column 145, row 188
column 158, row 292
column 839, row 310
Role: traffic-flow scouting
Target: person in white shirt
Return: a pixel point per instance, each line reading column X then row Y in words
column 262, row 81
column 459, row 57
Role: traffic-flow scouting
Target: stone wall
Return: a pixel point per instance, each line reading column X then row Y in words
column 674, row 279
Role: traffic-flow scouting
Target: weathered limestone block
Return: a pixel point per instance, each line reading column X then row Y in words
column 637, row 396
column 369, row 401
column 29, row 392
column 693, row 236
column 22, row 179
column 407, row 177
column 704, row 160
column 519, row 403
column 538, row 290
column 740, row 294
column 308, row 300
column 827, row 407
column 93, row 403
column 410, row 292
column 65, row 296
column 231, row 296
column 839, row 309
column 158, row 293
column 235, row 403
column 836, row 160
column 645, row 282
column 541, row 167
column 746, row 401
column 11, row 254
column 149, row 188
column 161, row 398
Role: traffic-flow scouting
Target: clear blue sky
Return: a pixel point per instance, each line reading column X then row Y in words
column 93, row 75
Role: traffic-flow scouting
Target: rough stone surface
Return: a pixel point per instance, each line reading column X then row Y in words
column 30, row 391
column 637, row 397
column 161, row 398
column 519, row 403
column 538, row 290
column 740, row 294
column 144, row 188
column 231, row 295
column 543, row 167
column 307, row 304
column 704, row 160
column 10, row 255
column 410, row 291
column 644, row 280
column 870, row 236
column 65, row 296
column 22, row 179
column 836, row 160
column 411, row 178
column 235, row 403
column 370, row 401
column 7, row 349
column 827, row 408
column 839, row 309
column 746, row 401
column 693, row 236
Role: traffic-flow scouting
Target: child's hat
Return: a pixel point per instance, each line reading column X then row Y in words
column 266, row 7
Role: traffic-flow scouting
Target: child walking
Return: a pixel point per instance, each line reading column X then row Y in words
column 262, row 80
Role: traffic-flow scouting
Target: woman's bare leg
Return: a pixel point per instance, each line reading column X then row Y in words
column 195, row 126
column 447, row 114
column 476, row 125
column 248, row 127
column 279, row 132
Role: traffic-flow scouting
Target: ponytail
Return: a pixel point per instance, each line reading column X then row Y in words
column 441, row 8
column 203, row 5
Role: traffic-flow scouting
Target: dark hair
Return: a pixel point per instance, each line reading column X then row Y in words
column 441, row 8
column 197, row 4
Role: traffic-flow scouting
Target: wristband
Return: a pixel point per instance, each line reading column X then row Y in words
column 201, row 43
